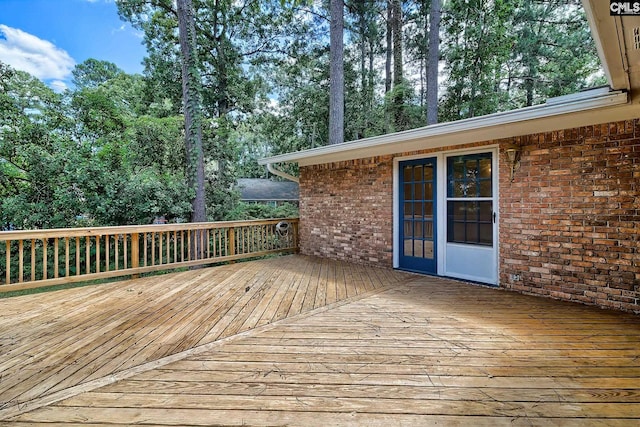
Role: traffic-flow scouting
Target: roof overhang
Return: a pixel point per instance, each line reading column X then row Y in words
column 576, row 110
column 617, row 39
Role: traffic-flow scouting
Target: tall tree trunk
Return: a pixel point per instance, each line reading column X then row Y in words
column 336, row 77
column 389, row 49
column 364, row 86
column 371, row 73
column 432, row 62
column 398, row 75
column 191, row 98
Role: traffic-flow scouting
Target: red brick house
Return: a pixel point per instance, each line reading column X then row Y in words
column 542, row 200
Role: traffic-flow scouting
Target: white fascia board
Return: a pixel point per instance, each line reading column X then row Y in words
column 602, row 107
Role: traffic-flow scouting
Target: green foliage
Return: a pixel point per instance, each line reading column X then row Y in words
column 157, row 142
column 146, row 195
column 85, row 158
column 112, row 150
column 502, row 55
column 246, row 211
column 93, row 72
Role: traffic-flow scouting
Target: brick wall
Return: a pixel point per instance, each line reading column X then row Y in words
column 346, row 210
column 569, row 221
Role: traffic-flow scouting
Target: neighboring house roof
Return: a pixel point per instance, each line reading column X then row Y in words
column 256, row 189
column 612, row 35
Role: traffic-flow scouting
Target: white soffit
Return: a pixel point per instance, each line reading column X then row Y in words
column 580, row 109
column 609, row 40
column 617, row 39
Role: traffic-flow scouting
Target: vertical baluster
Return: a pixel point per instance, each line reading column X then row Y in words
column 97, row 254
column 107, row 258
column 56, row 246
column 160, row 248
column 263, row 236
column 201, row 235
column 87, row 254
column 124, row 251
column 144, row 250
column 153, row 248
column 182, row 245
column 20, row 260
column 208, row 243
column 33, row 260
column 168, row 247
column 269, row 230
column 175, row 246
column 44, row 259
column 188, row 245
column 8, row 259
column 116, row 239
column 66, row 256
column 77, row 256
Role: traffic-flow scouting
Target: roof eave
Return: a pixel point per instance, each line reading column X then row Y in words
column 571, row 111
column 609, row 40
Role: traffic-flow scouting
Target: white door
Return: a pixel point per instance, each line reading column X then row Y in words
column 470, row 217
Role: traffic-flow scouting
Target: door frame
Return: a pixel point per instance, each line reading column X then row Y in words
column 441, row 205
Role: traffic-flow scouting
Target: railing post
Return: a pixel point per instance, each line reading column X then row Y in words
column 232, row 241
column 135, row 252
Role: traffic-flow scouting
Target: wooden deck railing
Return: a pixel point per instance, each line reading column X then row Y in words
column 30, row 259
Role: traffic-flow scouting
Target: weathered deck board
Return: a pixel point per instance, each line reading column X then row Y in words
column 425, row 351
column 61, row 339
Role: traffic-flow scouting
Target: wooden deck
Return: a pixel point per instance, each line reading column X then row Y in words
column 303, row 341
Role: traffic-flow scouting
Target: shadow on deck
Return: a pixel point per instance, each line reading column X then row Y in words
column 306, row 341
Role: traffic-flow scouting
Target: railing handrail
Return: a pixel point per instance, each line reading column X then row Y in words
column 128, row 229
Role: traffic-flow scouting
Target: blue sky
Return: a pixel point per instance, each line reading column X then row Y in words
column 49, row 37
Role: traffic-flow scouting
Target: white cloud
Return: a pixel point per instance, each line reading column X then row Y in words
column 58, row 86
column 41, row 58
